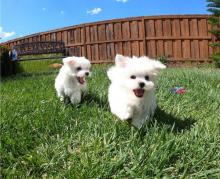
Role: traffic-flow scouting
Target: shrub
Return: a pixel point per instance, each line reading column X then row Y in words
column 163, row 59
column 214, row 20
column 216, row 59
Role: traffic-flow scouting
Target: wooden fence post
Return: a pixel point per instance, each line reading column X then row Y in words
column 84, row 41
column 144, row 36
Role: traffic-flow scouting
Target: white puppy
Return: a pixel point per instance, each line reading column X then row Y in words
column 131, row 94
column 71, row 81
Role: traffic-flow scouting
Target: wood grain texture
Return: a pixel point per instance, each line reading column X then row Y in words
column 179, row 37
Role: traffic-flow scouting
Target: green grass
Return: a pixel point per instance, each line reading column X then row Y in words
column 41, row 137
column 38, row 66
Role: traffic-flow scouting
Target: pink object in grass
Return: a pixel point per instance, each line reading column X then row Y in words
column 178, row 90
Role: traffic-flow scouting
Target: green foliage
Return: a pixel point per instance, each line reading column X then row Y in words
column 163, row 59
column 213, row 3
column 216, row 58
column 214, row 11
column 43, row 138
column 214, row 20
column 8, row 67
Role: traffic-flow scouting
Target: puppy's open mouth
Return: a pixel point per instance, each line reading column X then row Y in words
column 139, row 92
column 81, row 80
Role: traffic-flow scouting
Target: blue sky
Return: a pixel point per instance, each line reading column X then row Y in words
column 23, row 17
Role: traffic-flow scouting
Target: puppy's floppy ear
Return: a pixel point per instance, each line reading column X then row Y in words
column 69, row 61
column 120, row 60
column 157, row 65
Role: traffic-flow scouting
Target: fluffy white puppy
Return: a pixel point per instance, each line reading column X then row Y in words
column 131, row 94
column 71, row 80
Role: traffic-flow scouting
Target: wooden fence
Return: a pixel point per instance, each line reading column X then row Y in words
column 180, row 37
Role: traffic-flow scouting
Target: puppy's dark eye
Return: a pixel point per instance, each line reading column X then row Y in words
column 132, row 77
column 147, row 78
column 78, row 68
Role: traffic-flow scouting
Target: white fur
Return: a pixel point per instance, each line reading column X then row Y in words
column 67, row 83
column 122, row 99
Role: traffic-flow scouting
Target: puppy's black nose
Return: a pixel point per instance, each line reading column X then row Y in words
column 141, row 85
column 87, row 73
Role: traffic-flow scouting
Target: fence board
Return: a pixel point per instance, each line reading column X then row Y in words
column 177, row 52
column 182, row 37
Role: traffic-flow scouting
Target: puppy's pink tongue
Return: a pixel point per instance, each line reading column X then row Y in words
column 81, row 80
column 139, row 92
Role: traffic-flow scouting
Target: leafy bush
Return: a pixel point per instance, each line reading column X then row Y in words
column 214, row 20
column 163, row 59
column 216, row 59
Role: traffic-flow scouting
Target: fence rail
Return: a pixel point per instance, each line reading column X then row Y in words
column 181, row 37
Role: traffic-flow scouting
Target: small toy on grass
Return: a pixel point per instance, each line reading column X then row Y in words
column 178, row 90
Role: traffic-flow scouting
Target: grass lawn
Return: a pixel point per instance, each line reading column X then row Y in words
column 41, row 137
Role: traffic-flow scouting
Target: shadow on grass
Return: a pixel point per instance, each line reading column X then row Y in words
column 177, row 125
column 89, row 99
column 161, row 118
column 92, row 98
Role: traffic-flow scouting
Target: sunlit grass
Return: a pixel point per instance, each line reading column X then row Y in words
column 42, row 137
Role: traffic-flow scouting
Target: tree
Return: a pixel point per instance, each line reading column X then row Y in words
column 214, row 20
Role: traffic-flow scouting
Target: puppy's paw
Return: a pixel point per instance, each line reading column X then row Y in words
column 62, row 99
column 126, row 115
column 75, row 99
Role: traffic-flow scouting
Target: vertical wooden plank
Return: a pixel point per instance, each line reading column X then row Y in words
column 88, row 34
column 118, row 36
column 94, row 38
column 126, row 30
column 53, row 36
column 142, row 34
column 134, row 29
column 135, row 48
column 126, row 35
column 42, row 38
column 26, row 39
column 203, row 44
column 83, row 38
column 194, row 43
column 186, row 50
column 150, row 32
column 93, row 52
column 177, row 52
column 168, row 50
column 102, row 46
column 38, row 39
column 59, row 36
column 159, row 33
column 134, row 35
column 89, row 52
column 48, row 37
column 102, row 52
column 141, row 48
column 202, row 27
column 68, row 37
column 94, row 34
column 64, row 37
column 34, row 39
column 29, row 39
column 77, row 35
column 127, row 48
column 118, row 48
column 101, row 32
column 110, row 46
